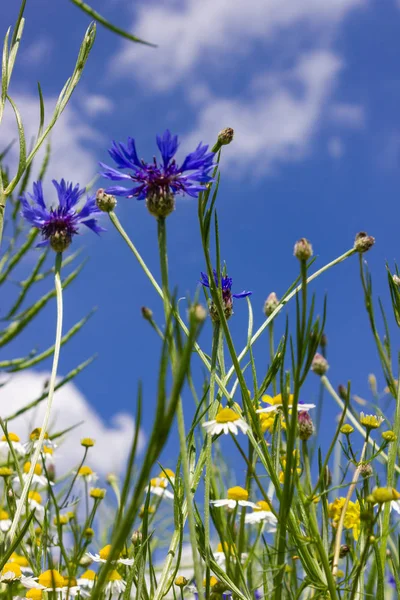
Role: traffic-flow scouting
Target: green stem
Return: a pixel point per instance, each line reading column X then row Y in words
column 392, row 455
column 272, row 353
column 339, row 530
column 52, row 384
column 162, row 246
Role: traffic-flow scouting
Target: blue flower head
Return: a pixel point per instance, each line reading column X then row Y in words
column 159, row 182
column 60, row 223
column 227, row 296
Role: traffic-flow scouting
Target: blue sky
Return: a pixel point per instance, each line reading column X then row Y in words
column 312, row 90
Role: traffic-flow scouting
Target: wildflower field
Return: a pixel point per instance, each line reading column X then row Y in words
column 255, row 503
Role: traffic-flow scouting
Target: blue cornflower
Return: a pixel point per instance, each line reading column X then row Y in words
column 227, row 296
column 158, row 183
column 58, row 224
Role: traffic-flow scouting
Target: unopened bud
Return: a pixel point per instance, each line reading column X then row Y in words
column 324, row 341
column 271, row 304
column 225, row 136
column 327, row 477
column 344, row 549
column 181, row 581
column 396, row 280
column 372, row 383
column 363, row 242
column 366, row 470
column 319, row 365
column 347, row 429
column 85, row 561
column 105, row 202
column 147, row 313
column 137, row 538
column 112, row 479
column 382, row 495
column 342, row 391
column 306, row 426
column 303, row 249
column 198, row 312
column 389, row 436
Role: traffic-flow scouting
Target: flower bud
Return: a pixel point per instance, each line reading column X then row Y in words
column 160, row 204
column 319, row 364
column 363, row 242
column 396, row 280
column 198, row 313
column 381, row 495
column 87, row 442
column 136, row 538
column 372, row 383
column 85, row 561
column 366, row 470
column 347, row 429
column 225, row 136
column 306, row 426
column 303, row 249
column 97, row 493
column 271, row 304
column 181, row 581
column 389, row 436
column 342, row 391
column 112, row 479
column 105, row 202
column 344, row 549
column 147, row 313
column 88, row 533
column 324, row 341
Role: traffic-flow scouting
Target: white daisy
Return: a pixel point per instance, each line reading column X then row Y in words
column 87, row 474
column 115, row 585
column 275, row 403
column 5, row 449
column 226, row 421
column 5, row 521
column 237, row 496
column 262, row 512
column 158, row 486
column 103, row 555
column 87, row 579
column 220, row 556
column 37, row 479
column 35, row 502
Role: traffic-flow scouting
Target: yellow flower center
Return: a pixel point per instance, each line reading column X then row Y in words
column 11, row 436
column 69, row 582
column 371, row 421
column 35, row 496
column 263, row 505
column 105, row 552
column 213, row 581
column 237, row 493
column 37, row 470
column 89, row 574
column 4, row 515
column 51, row 579
column 5, row 471
column 34, row 594
column 12, row 568
column 226, row 415
column 19, row 560
column 97, row 493
column 36, row 434
column 167, row 472
column 87, row 442
column 114, row 576
column 48, row 450
column 85, row 471
column 159, row 482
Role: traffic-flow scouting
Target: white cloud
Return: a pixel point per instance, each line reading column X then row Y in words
column 69, row 408
column 191, row 32
column 275, row 124
column 96, row 104
column 70, row 156
column 335, row 147
column 349, row 115
column 38, row 52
